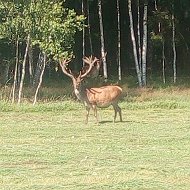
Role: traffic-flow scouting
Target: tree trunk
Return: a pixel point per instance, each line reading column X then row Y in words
column 134, row 45
column 38, row 70
column 163, row 61
column 174, row 50
column 155, row 5
column 144, row 49
column 30, row 62
column 139, row 38
column 40, row 79
column 83, row 34
column 119, row 40
column 23, row 69
column 102, row 41
column 89, row 28
column 19, row 73
column 16, row 70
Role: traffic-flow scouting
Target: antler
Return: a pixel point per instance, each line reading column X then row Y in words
column 90, row 61
column 65, row 70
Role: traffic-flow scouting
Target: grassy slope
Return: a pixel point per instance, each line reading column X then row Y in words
column 49, row 147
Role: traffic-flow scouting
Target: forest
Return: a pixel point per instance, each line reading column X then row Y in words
column 146, row 40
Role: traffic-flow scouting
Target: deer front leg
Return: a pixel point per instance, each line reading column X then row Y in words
column 87, row 113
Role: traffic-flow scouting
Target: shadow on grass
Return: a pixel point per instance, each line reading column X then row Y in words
column 108, row 121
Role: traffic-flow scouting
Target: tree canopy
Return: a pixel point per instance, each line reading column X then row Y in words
column 55, row 28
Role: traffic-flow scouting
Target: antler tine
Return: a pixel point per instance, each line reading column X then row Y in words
column 91, row 62
column 87, row 60
column 95, row 59
column 64, row 68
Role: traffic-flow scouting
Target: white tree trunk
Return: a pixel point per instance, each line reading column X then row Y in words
column 156, row 8
column 139, row 38
column 83, row 34
column 134, row 45
column 119, row 40
column 41, row 77
column 16, row 70
column 102, row 40
column 38, row 69
column 155, row 5
column 89, row 28
column 23, row 69
column 19, row 71
column 144, row 48
column 30, row 62
column 174, row 50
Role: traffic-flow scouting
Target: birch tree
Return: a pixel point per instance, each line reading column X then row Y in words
column 139, row 36
column 89, row 28
column 16, row 70
column 83, row 32
column 102, row 40
column 40, row 79
column 144, row 46
column 30, row 63
column 23, row 69
column 174, row 48
column 140, row 54
column 118, row 41
column 139, row 74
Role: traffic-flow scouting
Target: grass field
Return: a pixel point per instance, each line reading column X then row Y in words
column 48, row 147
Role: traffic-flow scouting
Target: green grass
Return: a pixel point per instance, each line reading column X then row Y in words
column 48, row 146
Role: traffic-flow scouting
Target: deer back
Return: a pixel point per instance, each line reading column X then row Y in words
column 104, row 96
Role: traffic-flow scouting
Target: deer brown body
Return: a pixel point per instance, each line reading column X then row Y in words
column 94, row 97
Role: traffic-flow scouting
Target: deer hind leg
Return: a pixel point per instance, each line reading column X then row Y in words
column 117, row 109
column 120, row 115
column 94, row 107
column 115, row 113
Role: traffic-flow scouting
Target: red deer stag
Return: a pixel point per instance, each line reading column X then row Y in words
column 93, row 97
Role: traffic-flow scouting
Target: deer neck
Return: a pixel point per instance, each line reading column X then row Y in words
column 80, row 93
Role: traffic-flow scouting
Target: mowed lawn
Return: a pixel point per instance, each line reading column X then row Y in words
column 44, row 149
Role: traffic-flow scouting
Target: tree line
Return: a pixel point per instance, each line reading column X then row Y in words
column 143, row 38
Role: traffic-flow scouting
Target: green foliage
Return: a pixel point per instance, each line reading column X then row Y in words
column 50, row 25
column 54, row 32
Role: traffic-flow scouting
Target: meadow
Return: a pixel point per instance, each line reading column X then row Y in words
column 48, row 146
